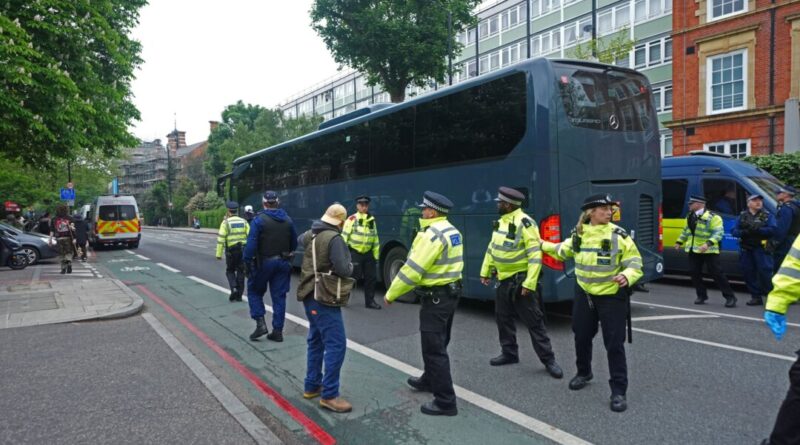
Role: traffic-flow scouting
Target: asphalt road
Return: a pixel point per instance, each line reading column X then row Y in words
column 709, row 377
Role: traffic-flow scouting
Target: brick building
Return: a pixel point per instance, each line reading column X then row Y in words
column 736, row 76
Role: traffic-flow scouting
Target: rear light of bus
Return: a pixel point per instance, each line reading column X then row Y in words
column 551, row 231
column 660, row 228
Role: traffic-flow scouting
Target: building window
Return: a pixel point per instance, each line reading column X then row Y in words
column 726, row 80
column 666, row 144
column 736, row 149
column 718, row 9
column 662, row 98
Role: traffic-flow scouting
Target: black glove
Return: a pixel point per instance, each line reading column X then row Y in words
column 250, row 269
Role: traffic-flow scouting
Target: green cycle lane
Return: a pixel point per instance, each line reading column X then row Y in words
column 385, row 410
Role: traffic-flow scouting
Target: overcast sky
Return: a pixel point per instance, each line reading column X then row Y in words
column 200, row 56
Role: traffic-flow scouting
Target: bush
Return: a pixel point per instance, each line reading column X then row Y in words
column 784, row 166
column 211, row 219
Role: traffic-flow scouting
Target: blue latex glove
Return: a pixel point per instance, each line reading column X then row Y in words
column 776, row 322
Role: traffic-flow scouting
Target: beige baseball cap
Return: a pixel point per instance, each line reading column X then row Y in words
column 335, row 215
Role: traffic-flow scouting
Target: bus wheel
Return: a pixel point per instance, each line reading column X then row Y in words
column 391, row 266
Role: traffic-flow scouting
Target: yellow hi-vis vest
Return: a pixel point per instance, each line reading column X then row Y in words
column 709, row 231
column 786, row 283
column 514, row 248
column 606, row 250
column 232, row 231
column 360, row 232
column 436, row 258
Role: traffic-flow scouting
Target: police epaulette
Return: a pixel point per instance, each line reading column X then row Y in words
column 621, row 232
column 527, row 222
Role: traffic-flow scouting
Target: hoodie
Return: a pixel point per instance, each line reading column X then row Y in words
column 338, row 252
column 256, row 226
column 81, row 229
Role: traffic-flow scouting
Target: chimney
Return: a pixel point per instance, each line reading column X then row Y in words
column 213, row 125
column 176, row 139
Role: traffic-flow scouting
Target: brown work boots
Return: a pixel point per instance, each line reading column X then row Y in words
column 337, row 405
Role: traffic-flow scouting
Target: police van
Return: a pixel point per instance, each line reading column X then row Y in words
column 725, row 183
column 114, row 220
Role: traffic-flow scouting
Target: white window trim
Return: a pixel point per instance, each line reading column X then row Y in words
column 710, row 11
column 662, row 144
column 728, row 144
column 710, row 98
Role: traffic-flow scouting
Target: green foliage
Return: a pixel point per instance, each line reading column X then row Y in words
column 66, row 68
column 247, row 128
column 211, row 219
column 784, row 166
column 395, row 43
column 608, row 49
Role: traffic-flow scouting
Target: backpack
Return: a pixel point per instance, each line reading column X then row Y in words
column 62, row 228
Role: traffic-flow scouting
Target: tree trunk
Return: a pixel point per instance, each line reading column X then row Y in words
column 397, row 96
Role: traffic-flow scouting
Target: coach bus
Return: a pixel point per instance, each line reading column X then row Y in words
column 557, row 130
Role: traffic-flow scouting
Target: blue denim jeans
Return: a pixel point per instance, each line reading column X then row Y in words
column 327, row 344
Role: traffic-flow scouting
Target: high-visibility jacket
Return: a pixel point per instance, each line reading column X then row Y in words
column 436, row 258
column 232, row 231
column 605, row 251
column 514, row 248
column 786, row 283
column 708, row 231
column 360, row 232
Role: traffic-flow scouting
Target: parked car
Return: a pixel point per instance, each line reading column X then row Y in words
column 34, row 245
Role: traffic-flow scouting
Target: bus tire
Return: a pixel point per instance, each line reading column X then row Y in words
column 391, row 265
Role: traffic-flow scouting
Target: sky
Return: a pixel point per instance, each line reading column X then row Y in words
column 200, row 56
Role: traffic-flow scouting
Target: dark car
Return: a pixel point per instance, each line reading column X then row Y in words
column 34, row 245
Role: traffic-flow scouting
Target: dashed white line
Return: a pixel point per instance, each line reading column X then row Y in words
column 721, row 314
column 171, row 269
column 521, row 419
column 142, row 257
column 130, row 252
column 717, row 345
column 672, row 317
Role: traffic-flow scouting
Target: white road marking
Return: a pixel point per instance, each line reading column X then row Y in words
column 171, row 269
column 130, row 252
column 718, row 345
column 142, row 257
column 521, row 419
column 134, row 269
column 721, row 314
column 671, row 317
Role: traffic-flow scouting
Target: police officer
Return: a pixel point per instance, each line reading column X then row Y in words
column 786, row 290
column 753, row 227
column 787, row 219
column 231, row 238
column 704, row 231
column 607, row 263
column 360, row 232
column 515, row 257
column 433, row 271
column 270, row 245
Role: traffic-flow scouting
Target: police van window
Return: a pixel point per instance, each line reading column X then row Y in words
column 724, row 196
column 127, row 212
column 108, row 213
column 674, row 197
column 606, row 100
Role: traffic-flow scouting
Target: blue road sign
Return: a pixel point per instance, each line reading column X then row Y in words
column 115, row 186
column 67, row 194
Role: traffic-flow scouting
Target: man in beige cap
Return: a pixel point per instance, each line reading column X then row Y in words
column 326, row 337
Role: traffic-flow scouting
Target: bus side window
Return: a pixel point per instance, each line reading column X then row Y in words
column 724, row 196
column 674, row 197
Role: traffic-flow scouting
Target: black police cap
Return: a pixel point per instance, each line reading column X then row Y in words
column 232, row 205
column 600, row 199
column 437, row 202
column 363, row 198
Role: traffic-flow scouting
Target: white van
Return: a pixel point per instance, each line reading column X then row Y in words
column 115, row 221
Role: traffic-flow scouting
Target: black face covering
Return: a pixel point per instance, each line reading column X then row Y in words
column 503, row 208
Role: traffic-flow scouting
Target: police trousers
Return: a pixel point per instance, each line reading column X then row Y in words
column 435, row 323
column 787, row 425
column 711, row 260
column 234, row 269
column 510, row 303
column 275, row 274
column 756, row 265
column 366, row 270
column 611, row 311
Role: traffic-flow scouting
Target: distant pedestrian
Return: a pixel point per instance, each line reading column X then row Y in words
column 196, row 222
column 360, row 232
column 249, row 214
column 702, row 235
column 81, row 235
column 788, row 224
column 753, row 228
column 270, row 245
column 44, row 224
column 786, row 291
column 61, row 232
column 231, row 239
column 12, row 221
column 327, row 342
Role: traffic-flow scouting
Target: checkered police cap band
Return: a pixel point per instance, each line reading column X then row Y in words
column 428, row 203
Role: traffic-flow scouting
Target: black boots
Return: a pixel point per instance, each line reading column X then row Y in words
column 261, row 329
column 554, row 370
column 275, row 336
column 372, row 305
column 730, row 301
column 755, row 301
column 618, row 403
column 503, row 359
column 579, row 381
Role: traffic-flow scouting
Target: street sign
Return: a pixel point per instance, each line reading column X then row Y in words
column 68, row 194
column 115, row 186
column 11, row 206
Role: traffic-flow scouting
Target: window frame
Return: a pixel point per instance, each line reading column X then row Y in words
column 710, row 11
column 727, row 147
column 709, row 82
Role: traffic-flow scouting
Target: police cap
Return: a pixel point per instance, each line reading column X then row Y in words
column 755, row 196
column 436, row 202
column 509, row 195
column 697, row 198
column 232, row 205
column 270, row 197
column 598, row 200
column 248, row 209
column 787, row 189
column 363, row 198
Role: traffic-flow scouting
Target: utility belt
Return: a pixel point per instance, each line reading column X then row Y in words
column 280, row 256
column 515, row 279
column 236, row 248
column 452, row 290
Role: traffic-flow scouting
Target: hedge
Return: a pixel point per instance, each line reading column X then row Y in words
column 211, row 219
column 784, row 166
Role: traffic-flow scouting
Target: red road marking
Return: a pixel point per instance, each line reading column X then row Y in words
column 315, row 430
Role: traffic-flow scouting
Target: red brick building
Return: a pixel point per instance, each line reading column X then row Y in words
column 735, row 69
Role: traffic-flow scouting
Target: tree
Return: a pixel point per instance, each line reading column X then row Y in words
column 395, row 43
column 784, row 166
column 66, row 68
column 608, row 49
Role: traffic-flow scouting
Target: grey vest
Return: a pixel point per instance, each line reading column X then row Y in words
column 324, row 264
